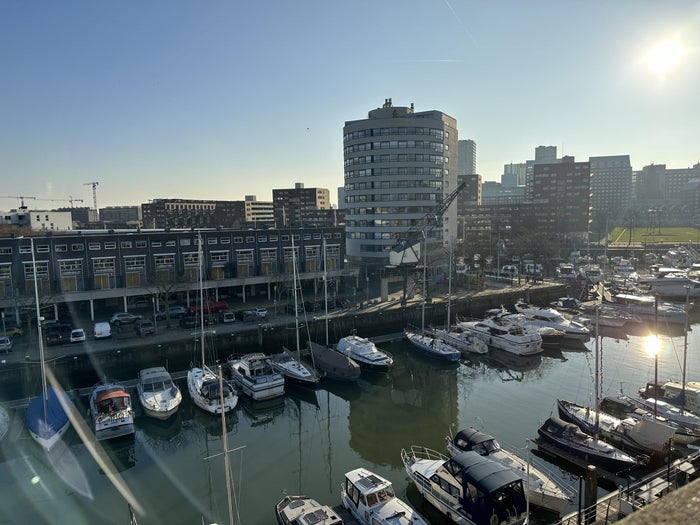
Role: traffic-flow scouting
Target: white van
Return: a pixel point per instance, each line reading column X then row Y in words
column 102, row 330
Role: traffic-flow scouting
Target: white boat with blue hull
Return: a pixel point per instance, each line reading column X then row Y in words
column 542, row 490
column 254, row 376
column 365, row 353
column 468, row 488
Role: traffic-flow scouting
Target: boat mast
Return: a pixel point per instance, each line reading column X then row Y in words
column 296, row 309
column 201, row 292
column 449, row 289
column 325, row 286
column 685, row 344
column 227, row 460
column 44, row 388
column 425, row 284
column 596, row 381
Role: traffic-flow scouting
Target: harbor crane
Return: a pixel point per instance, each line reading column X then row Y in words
column 406, row 253
column 20, row 197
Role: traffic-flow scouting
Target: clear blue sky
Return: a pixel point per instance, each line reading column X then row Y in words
column 221, row 99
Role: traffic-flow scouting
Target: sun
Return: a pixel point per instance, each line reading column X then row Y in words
column 665, row 56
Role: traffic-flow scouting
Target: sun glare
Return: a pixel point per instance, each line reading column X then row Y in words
column 652, row 345
column 665, row 56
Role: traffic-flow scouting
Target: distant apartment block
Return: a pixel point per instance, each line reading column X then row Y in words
column 40, row 220
column 259, row 212
column 120, row 214
column 611, row 185
column 399, row 164
column 300, row 206
column 188, row 213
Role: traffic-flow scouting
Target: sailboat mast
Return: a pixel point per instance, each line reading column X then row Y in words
column 685, row 345
column 200, row 256
column 325, row 287
column 596, row 381
column 296, row 310
column 449, row 290
column 425, row 284
column 227, row 460
column 44, row 389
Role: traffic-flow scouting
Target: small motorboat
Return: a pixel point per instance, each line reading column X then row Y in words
column 371, row 500
column 158, row 394
column 254, row 376
column 302, row 510
column 110, row 407
column 432, row 347
column 365, row 353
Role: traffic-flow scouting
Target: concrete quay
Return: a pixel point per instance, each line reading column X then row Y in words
column 83, row 364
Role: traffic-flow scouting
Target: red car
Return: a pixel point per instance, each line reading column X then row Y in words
column 209, row 307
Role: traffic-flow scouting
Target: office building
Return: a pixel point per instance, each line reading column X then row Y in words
column 300, row 206
column 399, row 164
column 611, row 185
column 466, row 162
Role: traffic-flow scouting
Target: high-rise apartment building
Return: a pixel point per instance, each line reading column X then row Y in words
column 561, row 198
column 611, row 185
column 300, row 206
column 399, row 164
column 258, row 212
column 466, row 163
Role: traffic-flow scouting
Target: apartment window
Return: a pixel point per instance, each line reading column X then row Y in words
column 225, row 240
column 170, row 243
column 164, row 261
column 126, row 244
column 141, row 244
column 219, row 257
column 238, row 240
column 42, row 248
column 77, row 247
column 212, row 240
column 190, row 259
column 6, row 250
column 103, row 265
column 273, row 238
column 156, row 244
column 94, row 246
column 184, row 242
column 262, row 239
column 250, row 239
column 57, row 248
column 110, row 245
column 28, row 248
column 135, row 264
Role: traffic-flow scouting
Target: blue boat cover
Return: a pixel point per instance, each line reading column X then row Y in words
column 46, row 425
column 483, row 472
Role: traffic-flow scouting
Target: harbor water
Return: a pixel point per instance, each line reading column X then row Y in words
column 173, row 472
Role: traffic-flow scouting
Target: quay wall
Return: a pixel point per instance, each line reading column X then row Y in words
column 84, row 365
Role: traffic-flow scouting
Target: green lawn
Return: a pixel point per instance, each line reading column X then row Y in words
column 656, row 235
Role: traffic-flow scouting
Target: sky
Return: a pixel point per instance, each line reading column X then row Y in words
column 223, row 99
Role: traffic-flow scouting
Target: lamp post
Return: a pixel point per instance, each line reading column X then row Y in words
column 4, row 330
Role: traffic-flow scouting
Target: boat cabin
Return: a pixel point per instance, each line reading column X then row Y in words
column 472, row 439
column 112, row 400
column 366, row 489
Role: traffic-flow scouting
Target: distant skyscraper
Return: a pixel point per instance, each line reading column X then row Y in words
column 545, row 154
column 398, row 167
column 466, row 161
column 519, row 170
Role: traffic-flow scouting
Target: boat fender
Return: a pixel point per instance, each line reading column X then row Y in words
column 494, row 519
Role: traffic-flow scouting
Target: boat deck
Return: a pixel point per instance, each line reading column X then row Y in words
column 348, row 519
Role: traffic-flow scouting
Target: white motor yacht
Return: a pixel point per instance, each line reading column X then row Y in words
column 158, row 394
column 500, row 332
column 553, row 319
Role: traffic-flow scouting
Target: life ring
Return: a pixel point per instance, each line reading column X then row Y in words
column 494, row 519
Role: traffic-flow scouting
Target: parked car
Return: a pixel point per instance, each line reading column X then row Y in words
column 77, row 335
column 175, row 313
column 54, row 338
column 261, row 312
column 124, row 318
column 247, row 316
column 143, row 327
column 209, row 307
column 291, row 310
column 102, row 330
column 6, row 344
column 138, row 302
column 188, row 321
column 13, row 331
column 227, row 317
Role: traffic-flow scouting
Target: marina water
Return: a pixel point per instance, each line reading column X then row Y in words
column 306, row 441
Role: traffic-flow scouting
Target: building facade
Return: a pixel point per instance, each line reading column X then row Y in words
column 466, row 163
column 611, row 185
column 103, row 266
column 300, row 206
column 398, row 165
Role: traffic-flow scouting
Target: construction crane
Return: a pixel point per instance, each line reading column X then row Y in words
column 70, row 199
column 94, row 196
column 20, row 197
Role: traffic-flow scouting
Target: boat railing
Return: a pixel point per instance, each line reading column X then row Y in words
column 542, row 466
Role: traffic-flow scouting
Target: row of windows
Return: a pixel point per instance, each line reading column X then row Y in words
column 396, row 144
column 387, row 184
column 112, row 245
column 403, row 157
column 392, row 197
column 390, row 210
column 397, row 171
column 386, row 223
column 408, row 130
column 107, row 265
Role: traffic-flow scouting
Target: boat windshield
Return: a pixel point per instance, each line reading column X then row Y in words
column 486, row 447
